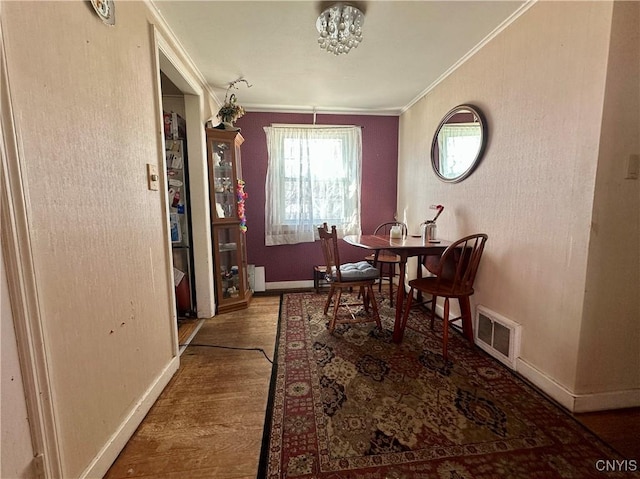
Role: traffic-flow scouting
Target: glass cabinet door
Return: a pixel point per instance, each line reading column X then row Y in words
column 224, row 178
column 229, row 260
column 228, row 222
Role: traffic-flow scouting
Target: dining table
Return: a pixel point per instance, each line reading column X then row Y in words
column 404, row 247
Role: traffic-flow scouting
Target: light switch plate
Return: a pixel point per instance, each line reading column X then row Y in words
column 153, row 178
column 633, row 167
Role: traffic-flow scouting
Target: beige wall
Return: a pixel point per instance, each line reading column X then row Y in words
column 541, row 83
column 609, row 356
column 16, row 452
column 84, row 97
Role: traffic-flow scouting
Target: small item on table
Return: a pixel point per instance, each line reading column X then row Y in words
column 396, row 232
column 429, row 227
column 440, row 209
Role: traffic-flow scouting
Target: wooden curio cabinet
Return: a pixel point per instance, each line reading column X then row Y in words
column 227, row 220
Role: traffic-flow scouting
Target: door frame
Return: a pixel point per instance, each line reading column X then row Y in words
column 168, row 61
column 23, row 294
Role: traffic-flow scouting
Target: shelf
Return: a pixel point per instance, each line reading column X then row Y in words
column 227, row 247
column 176, row 163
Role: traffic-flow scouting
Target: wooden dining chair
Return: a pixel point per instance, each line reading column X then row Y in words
column 386, row 260
column 340, row 276
column 455, row 273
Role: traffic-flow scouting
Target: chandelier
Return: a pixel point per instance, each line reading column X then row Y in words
column 340, row 28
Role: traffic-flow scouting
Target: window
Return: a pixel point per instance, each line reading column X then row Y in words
column 459, row 144
column 314, row 176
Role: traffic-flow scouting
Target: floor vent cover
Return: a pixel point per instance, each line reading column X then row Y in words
column 498, row 336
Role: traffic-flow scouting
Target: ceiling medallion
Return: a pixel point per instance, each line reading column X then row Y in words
column 340, row 28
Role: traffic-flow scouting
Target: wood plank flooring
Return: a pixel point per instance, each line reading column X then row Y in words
column 186, row 327
column 619, row 428
column 208, row 422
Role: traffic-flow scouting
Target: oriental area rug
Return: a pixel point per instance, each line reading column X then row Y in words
column 353, row 404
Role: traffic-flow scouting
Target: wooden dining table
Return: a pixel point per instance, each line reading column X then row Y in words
column 404, row 248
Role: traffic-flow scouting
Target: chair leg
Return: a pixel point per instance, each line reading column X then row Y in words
column 433, row 309
column 332, row 290
column 374, row 306
column 405, row 316
column 445, row 328
column 365, row 298
column 467, row 323
column 392, row 273
column 336, row 306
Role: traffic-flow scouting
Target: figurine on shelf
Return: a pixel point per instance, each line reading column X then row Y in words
column 220, row 210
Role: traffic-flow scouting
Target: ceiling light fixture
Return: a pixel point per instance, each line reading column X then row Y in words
column 340, row 28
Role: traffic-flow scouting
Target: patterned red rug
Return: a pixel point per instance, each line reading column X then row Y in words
column 356, row 405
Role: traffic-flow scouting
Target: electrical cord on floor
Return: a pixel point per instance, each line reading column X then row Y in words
column 232, row 347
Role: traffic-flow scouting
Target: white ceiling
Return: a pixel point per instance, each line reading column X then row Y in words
column 408, row 47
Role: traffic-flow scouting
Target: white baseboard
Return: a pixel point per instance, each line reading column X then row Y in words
column 546, row 383
column 578, row 402
column 109, row 452
column 571, row 401
column 608, row 400
column 289, row 285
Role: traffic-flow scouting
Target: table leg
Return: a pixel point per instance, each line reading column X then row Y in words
column 419, row 275
column 398, row 331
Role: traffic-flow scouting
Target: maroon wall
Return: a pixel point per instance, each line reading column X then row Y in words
column 379, row 186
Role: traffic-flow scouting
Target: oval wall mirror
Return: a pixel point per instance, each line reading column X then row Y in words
column 459, row 143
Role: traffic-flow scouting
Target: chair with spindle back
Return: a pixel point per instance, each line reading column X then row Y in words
column 455, row 274
column 339, row 276
column 383, row 259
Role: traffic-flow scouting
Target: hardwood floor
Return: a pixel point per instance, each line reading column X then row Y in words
column 186, row 328
column 619, row 428
column 208, row 422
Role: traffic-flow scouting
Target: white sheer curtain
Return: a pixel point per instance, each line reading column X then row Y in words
column 458, row 144
column 314, row 175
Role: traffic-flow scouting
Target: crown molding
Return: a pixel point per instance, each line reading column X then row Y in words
column 512, row 18
column 171, row 38
column 320, row 111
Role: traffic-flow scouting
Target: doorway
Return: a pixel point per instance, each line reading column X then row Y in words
column 193, row 259
column 177, row 172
